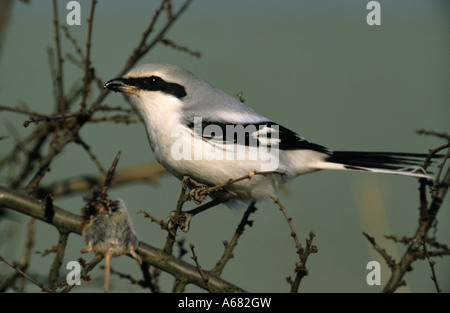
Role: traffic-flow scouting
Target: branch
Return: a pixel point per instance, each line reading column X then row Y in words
column 23, row 274
column 87, row 60
column 229, row 247
column 142, row 48
column 61, row 107
column 432, row 264
column 68, row 222
column 147, row 172
column 60, row 250
column 426, row 221
column 387, row 258
column 199, row 268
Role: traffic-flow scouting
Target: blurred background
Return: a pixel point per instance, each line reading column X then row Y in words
column 317, row 68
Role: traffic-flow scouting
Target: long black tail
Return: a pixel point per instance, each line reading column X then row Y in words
column 410, row 164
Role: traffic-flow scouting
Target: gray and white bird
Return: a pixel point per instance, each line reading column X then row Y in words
column 198, row 130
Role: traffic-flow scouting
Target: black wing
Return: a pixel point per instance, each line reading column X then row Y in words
column 265, row 133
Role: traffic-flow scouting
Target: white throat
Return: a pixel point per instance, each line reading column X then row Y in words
column 160, row 114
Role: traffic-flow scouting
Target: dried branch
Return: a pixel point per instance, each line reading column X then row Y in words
column 175, row 46
column 154, row 219
column 389, row 260
column 300, row 268
column 170, row 240
column 143, row 48
column 289, row 220
column 199, row 268
column 68, row 222
column 426, row 221
column 110, row 174
column 73, row 41
column 432, row 264
column 61, row 106
column 433, row 133
column 150, row 173
column 87, row 60
column 57, row 261
column 23, row 274
column 229, row 247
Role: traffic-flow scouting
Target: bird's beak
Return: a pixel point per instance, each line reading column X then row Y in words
column 119, row 85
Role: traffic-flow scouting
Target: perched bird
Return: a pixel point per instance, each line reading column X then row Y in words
column 198, row 130
column 109, row 231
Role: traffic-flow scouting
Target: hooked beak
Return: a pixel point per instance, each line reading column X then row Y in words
column 120, row 85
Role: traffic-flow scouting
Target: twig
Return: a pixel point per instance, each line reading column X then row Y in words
column 432, row 264
column 204, row 190
column 154, row 219
column 146, row 172
column 91, row 155
column 300, row 268
column 87, row 60
column 425, row 223
column 36, row 118
column 389, row 260
column 47, row 251
column 18, row 110
column 128, row 277
column 116, row 119
column 137, row 51
column 61, row 107
column 73, row 41
column 23, row 274
column 142, row 48
column 427, row 162
column 198, row 193
column 202, row 274
column 110, row 174
column 56, row 265
column 229, row 247
column 433, row 133
column 289, row 220
column 72, row 223
column 29, row 242
column 173, row 45
column 170, row 240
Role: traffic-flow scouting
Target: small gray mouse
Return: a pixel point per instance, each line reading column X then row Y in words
column 109, row 231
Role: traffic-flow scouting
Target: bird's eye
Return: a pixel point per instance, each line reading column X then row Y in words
column 155, row 83
column 151, row 82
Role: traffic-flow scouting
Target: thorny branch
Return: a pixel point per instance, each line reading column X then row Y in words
column 197, row 193
column 23, row 274
column 68, row 222
column 62, row 127
column 200, row 271
column 432, row 264
column 427, row 219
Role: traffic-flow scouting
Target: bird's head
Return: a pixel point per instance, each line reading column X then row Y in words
column 153, row 80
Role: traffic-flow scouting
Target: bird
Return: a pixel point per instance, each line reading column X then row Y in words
column 198, row 130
